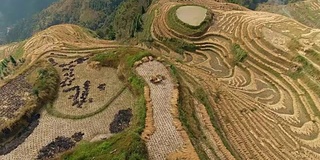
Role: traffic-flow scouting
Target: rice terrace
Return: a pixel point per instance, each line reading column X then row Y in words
column 197, row 79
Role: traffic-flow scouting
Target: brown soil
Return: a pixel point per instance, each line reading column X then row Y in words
column 149, row 126
column 187, row 151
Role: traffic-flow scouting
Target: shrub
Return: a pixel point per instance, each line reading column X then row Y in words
column 179, row 46
column 239, row 53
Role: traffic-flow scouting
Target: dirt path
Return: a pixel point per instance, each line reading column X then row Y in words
column 166, row 138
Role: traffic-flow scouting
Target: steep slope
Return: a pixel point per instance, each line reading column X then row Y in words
column 66, row 49
column 306, row 12
column 12, row 11
column 110, row 18
column 259, row 76
column 242, row 85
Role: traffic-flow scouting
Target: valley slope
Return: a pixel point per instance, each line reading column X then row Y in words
column 242, row 85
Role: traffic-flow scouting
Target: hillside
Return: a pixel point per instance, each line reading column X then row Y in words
column 110, row 18
column 212, row 80
column 12, row 11
column 306, row 12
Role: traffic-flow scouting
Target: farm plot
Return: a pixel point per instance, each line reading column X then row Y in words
column 166, row 138
column 51, row 127
column 192, row 15
column 83, row 89
column 262, row 99
column 14, row 95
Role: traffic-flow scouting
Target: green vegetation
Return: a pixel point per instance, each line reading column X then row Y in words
column 305, row 68
column 188, row 117
column 7, row 66
column 128, row 18
column 45, row 80
column 13, row 61
column 123, row 59
column 176, row 24
column 202, row 97
column 127, row 144
column 4, row 70
column 188, row 91
column 178, row 45
column 14, row 10
column 107, row 59
column 145, row 36
column 309, row 74
column 110, row 19
column 239, row 53
column 190, row 121
column 136, row 84
column 131, row 58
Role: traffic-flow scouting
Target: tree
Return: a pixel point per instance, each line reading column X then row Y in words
column 35, row 91
column 4, row 65
column 13, row 61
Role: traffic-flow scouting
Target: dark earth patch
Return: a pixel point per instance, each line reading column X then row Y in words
column 9, row 146
column 59, row 145
column 121, row 121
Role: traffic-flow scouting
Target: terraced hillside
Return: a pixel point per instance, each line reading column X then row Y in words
column 89, row 95
column 260, row 73
column 306, row 12
column 239, row 85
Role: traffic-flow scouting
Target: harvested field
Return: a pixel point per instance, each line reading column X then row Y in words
column 166, row 138
column 82, row 93
column 89, row 96
column 14, row 96
column 51, row 127
column 261, row 96
column 192, row 15
column 248, row 86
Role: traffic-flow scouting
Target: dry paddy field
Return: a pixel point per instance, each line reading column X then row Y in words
column 99, row 96
column 51, row 127
column 84, row 90
column 267, row 105
column 88, row 98
column 252, row 86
